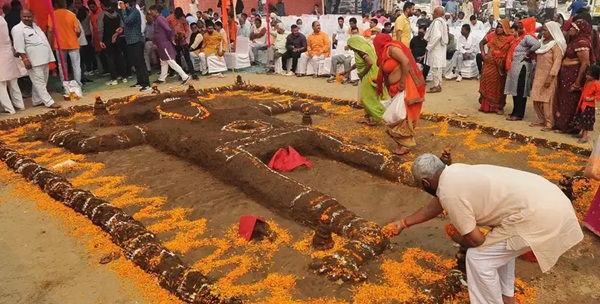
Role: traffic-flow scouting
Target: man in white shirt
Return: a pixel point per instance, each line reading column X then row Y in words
column 279, row 40
column 258, row 40
column 339, row 30
column 466, row 50
column 437, row 41
column 476, row 25
column 244, row 28
column 35, row 51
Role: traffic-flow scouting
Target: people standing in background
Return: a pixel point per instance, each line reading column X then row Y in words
column 13, row 17
column 181, row 32
column 149, row 47
column 435, row 3
column 418, row 48
column 548, row 60
column 280, row 8
column 160, row 4
column 316, row 11
column 437, row 41
column 387, row 28
column 68, row 27
column 163, row 37
column 239, row 7
column 295, row 45
column 452, row 8
column 467, row 9
column 9, row 73
column 477, row 7
column 550, row 10
column 339, row 30
column 574, row 7
column 95, row 15
column 519, row 67
column 194, row 8
column 244, row 27
column 476, row 25
column 109, row 27
column 132, row 20
column 402, row 27
column 87, row 52
column 586, row 108
column 532, row 7
column 34, row 49
column 508, row 8
column 381, row 19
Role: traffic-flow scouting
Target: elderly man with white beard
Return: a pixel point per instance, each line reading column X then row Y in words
column 437, row 40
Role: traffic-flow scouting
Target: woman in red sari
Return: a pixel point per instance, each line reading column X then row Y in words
column 399, row 73
column 493, row 78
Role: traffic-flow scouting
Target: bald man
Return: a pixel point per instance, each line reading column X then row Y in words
column 437, row 40
column 525, row 211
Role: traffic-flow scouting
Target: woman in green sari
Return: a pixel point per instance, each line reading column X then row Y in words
column 366, row 66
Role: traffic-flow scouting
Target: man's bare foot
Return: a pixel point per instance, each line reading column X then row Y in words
column 500, row 112
column 54, row 106
column 508, row 300
column 401, row 151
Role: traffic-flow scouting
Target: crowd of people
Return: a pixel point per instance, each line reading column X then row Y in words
column 516, row 57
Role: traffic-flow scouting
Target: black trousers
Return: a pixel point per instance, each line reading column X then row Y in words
column 122, row 43
column 114, row 61
column 520, row 101
column 103, row 61
column 185, row 51
column 479, row 61
column 294, row 56
column 136, row 58
column 88, row 55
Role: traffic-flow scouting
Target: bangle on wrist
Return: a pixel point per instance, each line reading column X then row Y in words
column 404, row 224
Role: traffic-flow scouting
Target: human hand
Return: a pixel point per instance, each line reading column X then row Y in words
column 221, row 53
column 102, row 45
column 114, row 38
column 392, row 229
column 27, row 63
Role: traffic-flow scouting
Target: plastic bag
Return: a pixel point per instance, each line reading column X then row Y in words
column 396, row 110
column 71, row 88
column 592, row 168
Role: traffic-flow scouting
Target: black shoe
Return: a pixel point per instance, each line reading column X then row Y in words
column 172, row 75
column 135, row 85
column 146, row 89
column 185, row 81
column 159, row 82
column 195, row 77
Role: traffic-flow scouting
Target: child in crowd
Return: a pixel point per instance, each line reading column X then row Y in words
column 586, row 109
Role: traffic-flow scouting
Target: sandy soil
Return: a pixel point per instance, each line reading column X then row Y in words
column 42, row 264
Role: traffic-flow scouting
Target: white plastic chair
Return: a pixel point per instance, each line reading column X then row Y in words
column 241, row 58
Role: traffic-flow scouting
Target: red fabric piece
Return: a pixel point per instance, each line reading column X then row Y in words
column 246, row 227
column 288, row 160
column 529, row 256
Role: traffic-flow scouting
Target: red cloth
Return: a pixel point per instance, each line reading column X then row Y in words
column 529, row 256
column 592, row 218
column 288, row 160
column 246, row 227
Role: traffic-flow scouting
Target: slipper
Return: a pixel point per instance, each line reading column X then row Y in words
column 536, row 124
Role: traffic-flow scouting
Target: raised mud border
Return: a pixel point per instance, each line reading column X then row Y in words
column 455, row 122
column 138, row 243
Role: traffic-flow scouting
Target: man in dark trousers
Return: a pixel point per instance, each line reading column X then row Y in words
column 132, row 20
column 295, row 45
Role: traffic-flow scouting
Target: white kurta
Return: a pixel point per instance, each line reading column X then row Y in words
column 10, row 69
column 437, row 40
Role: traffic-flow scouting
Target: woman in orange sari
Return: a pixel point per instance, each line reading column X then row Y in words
column 399, row 73
column 493, row 78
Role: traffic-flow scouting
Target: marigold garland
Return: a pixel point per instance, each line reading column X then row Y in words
column 202, row 112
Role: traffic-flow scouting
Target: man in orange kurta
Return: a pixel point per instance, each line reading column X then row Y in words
column 318, row 48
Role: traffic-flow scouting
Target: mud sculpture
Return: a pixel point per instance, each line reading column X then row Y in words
column 234, row 144
column 322, row 240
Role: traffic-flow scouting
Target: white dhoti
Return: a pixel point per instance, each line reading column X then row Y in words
column 491, row 273
column 309, row 66
column 15, row 93
column 211, row 64
column 436, row 73
column 39, row 78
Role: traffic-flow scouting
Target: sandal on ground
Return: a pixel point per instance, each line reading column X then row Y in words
column 582, row 141
column 500, row 112
column 536, row 124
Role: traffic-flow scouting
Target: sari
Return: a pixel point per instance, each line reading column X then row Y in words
column 368, row 93
column 403, row 131
column 493, row 78
column 567, row 100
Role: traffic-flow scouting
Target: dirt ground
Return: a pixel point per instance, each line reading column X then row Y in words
column 41, row 263
column 185, row 185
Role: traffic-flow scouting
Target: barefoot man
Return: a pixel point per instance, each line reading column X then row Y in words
column 525, row 211
column 437, row 40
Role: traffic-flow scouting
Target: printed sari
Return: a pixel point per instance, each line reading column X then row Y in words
column 493, row 78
